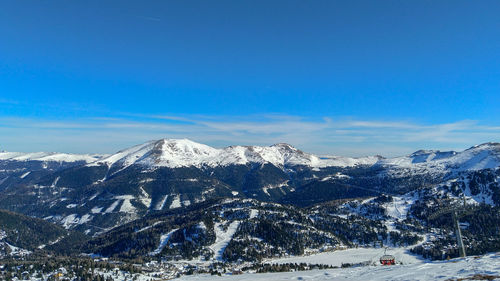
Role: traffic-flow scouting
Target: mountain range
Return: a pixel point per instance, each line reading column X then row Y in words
column 104, row 196
column 176, row 153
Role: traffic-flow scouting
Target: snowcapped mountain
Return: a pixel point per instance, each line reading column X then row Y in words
column 483, row 156
column 19, row 167
column 48, row 157
column 173, row 173
column 380, row 198
column 175, row 153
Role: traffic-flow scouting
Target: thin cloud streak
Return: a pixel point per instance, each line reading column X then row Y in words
column 149, row 18
column 321, row 136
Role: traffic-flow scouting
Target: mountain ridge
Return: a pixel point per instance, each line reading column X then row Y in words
column 49, row 156
column 176, row 153
column 171, row 175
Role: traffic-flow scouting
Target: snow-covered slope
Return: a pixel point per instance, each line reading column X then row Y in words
column 176, row 153
column 339, row 161
column 483, row 156
column 471, row 268
column 165, row 152
column 48, row 156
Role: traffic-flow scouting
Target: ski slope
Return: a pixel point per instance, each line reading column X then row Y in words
column 439, row 270
column 336, row 258
column 223, row 237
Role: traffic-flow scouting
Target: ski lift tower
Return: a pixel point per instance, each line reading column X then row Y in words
column 457, row 211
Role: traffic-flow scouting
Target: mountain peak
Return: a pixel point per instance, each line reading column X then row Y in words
column 175, row 153
column 423, row 152
column 184, row 145
column 487, row 145
column 284, row 145
column 177, row 141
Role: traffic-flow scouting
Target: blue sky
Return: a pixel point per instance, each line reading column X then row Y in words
column 337, row 77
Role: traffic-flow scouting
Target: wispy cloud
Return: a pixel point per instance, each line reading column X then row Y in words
column 8, row 101
column 324, row 136
column 149, row 18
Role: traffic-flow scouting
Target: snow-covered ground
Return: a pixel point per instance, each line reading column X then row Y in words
column 161, row 204
column 398, row 208
column 359, row 255
column 223, row 238
column 176, row 203
column 112, row 206
column 163, row 242
column 73, row 219
column 253, row 213
column 412, row 268
column 16, row 251
column 440, row 270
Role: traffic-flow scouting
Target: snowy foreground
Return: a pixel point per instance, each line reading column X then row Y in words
column 414, row 270
column 361, row 255
column 409, row 267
